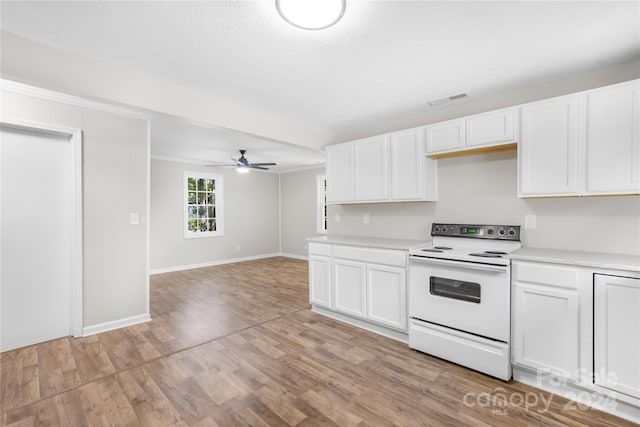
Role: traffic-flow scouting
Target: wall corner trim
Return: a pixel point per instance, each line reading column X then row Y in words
column 115, row 324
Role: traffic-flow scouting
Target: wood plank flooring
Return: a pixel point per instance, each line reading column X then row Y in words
column 236, row 345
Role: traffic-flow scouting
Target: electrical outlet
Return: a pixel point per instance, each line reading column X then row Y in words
column 365, row 218
column 530, row 221
column 336, row 217
column 134, row 218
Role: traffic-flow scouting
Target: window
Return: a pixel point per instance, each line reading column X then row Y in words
column 203, row 208
column 321, row 196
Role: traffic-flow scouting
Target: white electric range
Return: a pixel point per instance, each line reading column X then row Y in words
column 460, row 295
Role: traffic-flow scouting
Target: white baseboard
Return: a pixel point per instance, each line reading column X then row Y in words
column 294, row 256
column 211, row 263
column 403, row 337
column 115, row 324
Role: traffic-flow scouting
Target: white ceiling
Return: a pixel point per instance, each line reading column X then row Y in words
column 385, row 59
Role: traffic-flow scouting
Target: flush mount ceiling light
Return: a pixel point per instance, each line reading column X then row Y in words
column 311, row 14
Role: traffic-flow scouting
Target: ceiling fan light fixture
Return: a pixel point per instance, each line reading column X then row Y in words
column 311, row 14
column 242, row 169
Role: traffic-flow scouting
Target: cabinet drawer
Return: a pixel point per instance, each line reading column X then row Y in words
column 545, row 274
column 376, row 256
column 319, row 249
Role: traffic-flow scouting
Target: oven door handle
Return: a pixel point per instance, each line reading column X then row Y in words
column 460, row 264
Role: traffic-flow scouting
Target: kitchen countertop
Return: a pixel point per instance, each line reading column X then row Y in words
column 586, row 259
column 370, row 242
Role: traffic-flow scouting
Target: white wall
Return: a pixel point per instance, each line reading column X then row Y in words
column 299, row 209
column 250, row 214
column 482, row 189
column 115, row 176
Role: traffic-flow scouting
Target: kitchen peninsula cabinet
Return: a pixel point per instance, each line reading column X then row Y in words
column 320, row 274
column 581, row 144
column 367, row 280
column 385, row 168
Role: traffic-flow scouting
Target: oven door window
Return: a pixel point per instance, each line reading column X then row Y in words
column 455, row 289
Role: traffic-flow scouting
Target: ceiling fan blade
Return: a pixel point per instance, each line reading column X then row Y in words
column 253, row 166
column 263, row 164
column 220, row 164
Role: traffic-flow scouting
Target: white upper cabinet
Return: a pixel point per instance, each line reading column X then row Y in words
column 385, row 168
column 491, row 128
column 445, row 136
column 413, row 176
column 340, row 173
column 582, row 144
column 371, row 175
column 613, row 141
column 494, row 128
column 548, row 149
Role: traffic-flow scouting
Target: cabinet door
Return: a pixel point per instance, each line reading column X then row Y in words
column 387, row 296
column 445, row 136
column 320, row 280
column 491, row 128
column 371, row 173
column 617, row 333
column 349, row 287
column 548, row 148
column 613, row 140
column 340, row 186
column 406, row 165
column 546, row 329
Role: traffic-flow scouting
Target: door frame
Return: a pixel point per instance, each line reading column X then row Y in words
column 75, row 237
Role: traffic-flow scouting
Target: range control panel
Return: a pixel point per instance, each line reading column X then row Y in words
column 497, row 232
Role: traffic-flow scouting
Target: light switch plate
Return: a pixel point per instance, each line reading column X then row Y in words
column 365, row 218
column 336, row 217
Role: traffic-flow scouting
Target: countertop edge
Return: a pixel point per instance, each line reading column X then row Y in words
column 369, row 242
column 608, row 261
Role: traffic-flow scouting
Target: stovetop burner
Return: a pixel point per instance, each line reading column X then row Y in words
column 431, row 250
column 446, row 248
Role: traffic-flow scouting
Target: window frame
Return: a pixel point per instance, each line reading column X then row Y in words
column 321, row 204
column 218, row 204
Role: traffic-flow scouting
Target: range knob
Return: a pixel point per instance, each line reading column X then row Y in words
column 490, row 231
column 437, row 228
column 501, row 232
column 512, row 232
column 444, row 228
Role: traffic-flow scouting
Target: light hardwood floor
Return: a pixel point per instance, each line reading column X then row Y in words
column 237, row 345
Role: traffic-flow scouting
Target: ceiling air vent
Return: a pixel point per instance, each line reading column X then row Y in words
column 447, row 99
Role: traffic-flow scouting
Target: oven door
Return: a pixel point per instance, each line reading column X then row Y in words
column 469, row 297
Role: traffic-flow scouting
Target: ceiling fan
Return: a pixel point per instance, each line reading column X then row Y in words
column 243, row 165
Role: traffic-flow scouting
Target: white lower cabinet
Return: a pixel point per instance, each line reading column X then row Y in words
column 320, row 280
column 617, row 333
column 546, row 319
column 320, row 274
column 387, row 295
column 364, row 283
column 349, row 287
